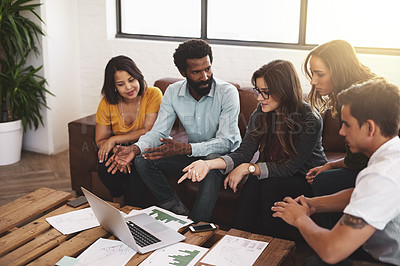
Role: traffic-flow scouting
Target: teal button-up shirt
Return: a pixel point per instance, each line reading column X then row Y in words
column 210, row 123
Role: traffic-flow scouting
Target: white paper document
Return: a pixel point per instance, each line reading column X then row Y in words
column 67, row 261
column 181, row 254
column 170, row 219
column 106, row 252
column 232, row 250
column 75, row 221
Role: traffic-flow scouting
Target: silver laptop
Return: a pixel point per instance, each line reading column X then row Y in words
column 141, row 232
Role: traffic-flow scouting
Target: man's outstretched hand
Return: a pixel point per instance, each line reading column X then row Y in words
column 168, row 148
column 121, row 159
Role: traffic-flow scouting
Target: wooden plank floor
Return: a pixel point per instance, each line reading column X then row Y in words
column 34, row 171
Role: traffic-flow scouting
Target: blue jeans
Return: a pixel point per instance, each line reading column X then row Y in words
column 152, row 173
column 330, row 182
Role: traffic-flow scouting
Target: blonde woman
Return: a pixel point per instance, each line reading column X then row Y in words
column 333, row 67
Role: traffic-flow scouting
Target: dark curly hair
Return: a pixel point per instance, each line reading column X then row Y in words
column 115, row 64
column 191, row 49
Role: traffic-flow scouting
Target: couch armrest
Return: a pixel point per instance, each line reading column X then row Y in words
column 82, row 152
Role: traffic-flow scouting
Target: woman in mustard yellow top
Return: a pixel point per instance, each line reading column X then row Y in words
column 127, row 110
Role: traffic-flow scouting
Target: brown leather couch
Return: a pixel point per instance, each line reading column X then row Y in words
column 83, row 156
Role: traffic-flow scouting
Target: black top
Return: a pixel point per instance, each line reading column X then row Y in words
column 308, row 146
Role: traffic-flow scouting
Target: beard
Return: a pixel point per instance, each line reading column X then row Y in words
column 196, row 86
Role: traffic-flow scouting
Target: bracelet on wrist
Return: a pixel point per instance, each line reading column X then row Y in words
column 209, row 168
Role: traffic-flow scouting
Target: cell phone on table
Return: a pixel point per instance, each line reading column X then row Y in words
column 202, row 227
column 77, row 202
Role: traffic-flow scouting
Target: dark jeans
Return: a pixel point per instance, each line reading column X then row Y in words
column 114, row 183
column 258, row 196
column 330, row 182
column 152, row 173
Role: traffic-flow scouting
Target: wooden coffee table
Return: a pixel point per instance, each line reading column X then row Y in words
column 26, row 237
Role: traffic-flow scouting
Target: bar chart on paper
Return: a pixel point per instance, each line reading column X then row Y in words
column 165, row 217
column 180, row 254
column 185, row 258
column 168, row 218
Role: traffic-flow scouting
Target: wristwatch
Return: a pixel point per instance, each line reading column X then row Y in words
column 252, row 169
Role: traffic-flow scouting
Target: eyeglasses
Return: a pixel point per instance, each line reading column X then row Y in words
column 264, row 94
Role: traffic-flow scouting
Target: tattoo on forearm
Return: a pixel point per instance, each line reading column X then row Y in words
column 352, row 221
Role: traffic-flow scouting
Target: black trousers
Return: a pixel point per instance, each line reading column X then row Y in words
column 330, row 182
column 258, row 196
column 115, row 184
column 354, row 259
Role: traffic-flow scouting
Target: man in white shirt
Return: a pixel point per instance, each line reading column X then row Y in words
column 371, row 211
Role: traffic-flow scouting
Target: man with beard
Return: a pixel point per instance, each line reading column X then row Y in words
column 208, row 109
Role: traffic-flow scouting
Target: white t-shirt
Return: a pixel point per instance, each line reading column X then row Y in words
column 376, row 199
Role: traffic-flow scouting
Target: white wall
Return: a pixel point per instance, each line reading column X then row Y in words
column 60, row 58
column 76, row 57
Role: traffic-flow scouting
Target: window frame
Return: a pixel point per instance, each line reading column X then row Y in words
column 301, row 45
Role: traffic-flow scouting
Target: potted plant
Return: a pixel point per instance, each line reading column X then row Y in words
column 22, row 89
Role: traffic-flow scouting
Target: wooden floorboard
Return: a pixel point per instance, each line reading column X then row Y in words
column 34, row 171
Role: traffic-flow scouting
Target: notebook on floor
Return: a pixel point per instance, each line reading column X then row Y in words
column 141, row 232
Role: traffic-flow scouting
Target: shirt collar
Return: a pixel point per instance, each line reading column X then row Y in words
column 385, row 146
column 184, row 90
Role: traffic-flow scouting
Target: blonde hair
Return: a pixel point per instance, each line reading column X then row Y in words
column 341, row 59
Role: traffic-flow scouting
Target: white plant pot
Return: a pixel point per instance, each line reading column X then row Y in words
column 10, row 142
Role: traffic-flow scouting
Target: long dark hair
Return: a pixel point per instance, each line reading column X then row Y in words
column 341, row 59
column 284, row 85
column 115, row 64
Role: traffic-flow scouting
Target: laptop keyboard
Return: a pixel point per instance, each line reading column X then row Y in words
column 141, row 236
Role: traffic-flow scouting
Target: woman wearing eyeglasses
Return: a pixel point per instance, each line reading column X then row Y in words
column 288, row 136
